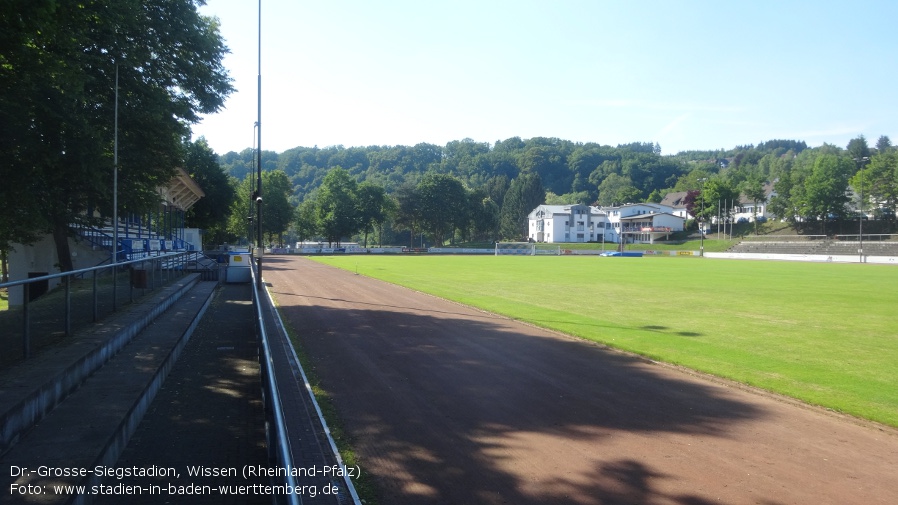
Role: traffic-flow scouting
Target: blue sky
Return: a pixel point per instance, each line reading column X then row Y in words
column 685, row 74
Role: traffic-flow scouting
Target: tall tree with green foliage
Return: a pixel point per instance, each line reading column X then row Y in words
column 823, row 193
column 753, row 189
column 337, row 208
column 718, row 197
column 374, row 207
column 278, row 212
column 212, row 211
column 242, row 214
column 524, row 194
column 408, row 210
column 305, row 222
column 57, row 100
column 878, row 181
column 443, row 205
column 483, row 216
column 617, row 190
column 858, row 148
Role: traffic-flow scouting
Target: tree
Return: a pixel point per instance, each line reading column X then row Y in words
column 241, row 218
column 781, row 204
column 58, row 95
column 824, row 192
column 878, row 180
column 483, row 216
column 719, row 197
column 753, row 189
column 212, row 211
column 546, row 158
column 277, row 212
column 693, row 203
column 337, row 214
column 443, row 205
column 524, row 194
column 305, row 222
column 581, row 197
column 408, row 210
column 617, row 190
column 496, row 187
column 858, row 148
column 374, row 206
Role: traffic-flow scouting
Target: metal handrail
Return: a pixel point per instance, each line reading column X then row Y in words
column 875, row 237
column 82, row 271
column 165, row 262
column 280, row 439
column 784, row 238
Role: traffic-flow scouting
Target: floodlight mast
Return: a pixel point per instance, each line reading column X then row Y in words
column 259, row 161
column 860, row 218
column 701, row 223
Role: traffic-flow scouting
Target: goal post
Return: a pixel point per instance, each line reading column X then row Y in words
column 546, row 249
column 526, row 249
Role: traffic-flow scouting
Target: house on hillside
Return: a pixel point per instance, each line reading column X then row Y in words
column 676, row 200
column 746, row 209
column 641, row 222
column 568, row 223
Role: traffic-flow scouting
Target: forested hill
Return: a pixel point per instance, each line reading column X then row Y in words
column 570, row 171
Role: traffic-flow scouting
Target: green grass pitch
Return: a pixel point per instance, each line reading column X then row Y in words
column 820, row 332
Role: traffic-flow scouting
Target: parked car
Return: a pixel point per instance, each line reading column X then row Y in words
column 884, row 213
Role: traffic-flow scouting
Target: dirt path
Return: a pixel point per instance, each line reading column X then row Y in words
column 451, row 405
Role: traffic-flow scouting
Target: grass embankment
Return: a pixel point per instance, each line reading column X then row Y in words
column 822, row 333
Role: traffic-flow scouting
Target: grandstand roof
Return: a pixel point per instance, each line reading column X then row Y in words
column 182, row 191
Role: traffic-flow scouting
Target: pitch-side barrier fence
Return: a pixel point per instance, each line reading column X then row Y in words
column 276, row 424
column 282, row 375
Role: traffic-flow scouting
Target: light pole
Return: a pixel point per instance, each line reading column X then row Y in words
column 860, row 217
column 115, row 194
column 701, row 221
column 259, row 160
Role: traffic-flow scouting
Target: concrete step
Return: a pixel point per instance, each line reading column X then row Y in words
column 32, row 388
column 91, row 427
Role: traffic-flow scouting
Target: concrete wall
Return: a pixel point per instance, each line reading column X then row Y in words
column 41, row 257
column 887, row 260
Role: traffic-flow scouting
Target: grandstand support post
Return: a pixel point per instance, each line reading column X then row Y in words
column 68, row 305
column 96, row 315
column 26, row 322
column 114, row 282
